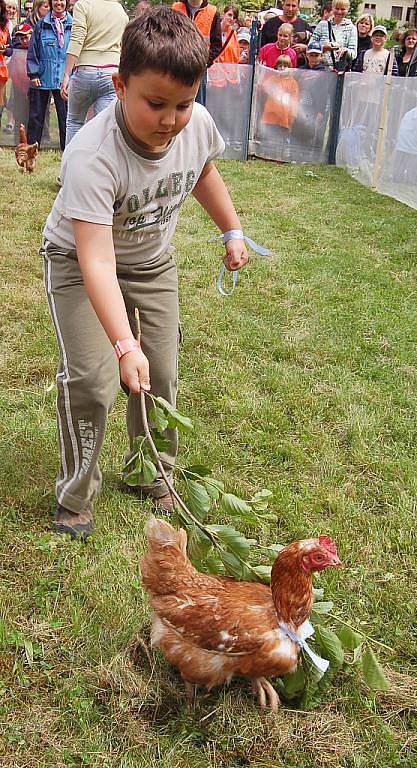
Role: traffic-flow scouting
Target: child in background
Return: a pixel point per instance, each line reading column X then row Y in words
column 269, row 54
column 314, row 57
column 107, row 249
column 281, row 105
column 18, row 74
column 375, row 60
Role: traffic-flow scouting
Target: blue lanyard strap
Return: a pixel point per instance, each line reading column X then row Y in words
column 254, row 246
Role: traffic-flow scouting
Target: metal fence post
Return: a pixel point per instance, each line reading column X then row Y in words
column 334, row 125
column 252, row 56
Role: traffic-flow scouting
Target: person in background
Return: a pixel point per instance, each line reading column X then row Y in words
column 326, row 11
column 376, row 59
column 141, row 7
column 281, row 104
column 230, row 51
column 290, row 15
column 18, row 75
column 94, row 52
column 27, row 8
column 4, row 45
column 310, row 126
column 364, row 25
column 243, row 38
column 269, row 54
column 45, row 67
column 407, row 56
column 338, row 37
column 11, row 12
column 314, row 57
column 207, row 20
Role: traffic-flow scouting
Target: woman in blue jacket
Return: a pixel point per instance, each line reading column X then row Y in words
column 45, row 67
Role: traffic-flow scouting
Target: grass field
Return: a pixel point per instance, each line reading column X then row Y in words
column 303, row 382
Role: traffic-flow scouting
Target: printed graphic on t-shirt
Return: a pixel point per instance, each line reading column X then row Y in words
column 144, row 209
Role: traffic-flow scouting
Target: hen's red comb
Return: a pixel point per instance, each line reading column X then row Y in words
column 327, row 543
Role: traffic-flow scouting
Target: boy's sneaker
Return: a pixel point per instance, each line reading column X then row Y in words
column 164, row 505
column 79, row 525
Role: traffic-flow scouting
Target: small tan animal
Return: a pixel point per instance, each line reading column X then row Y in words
column 26, row 154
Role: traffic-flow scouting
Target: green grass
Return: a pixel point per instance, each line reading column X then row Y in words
column 303, row 382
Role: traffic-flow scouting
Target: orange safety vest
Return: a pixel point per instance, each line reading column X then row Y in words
column 224, row 69
column 230, row 54
column 203, row 19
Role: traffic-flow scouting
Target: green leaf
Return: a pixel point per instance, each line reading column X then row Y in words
column 233, row 539
column 330, row 645
column 260, row 500
column 198, row 544
column 349, row 638
column 158, row 418
column 198, row 499
column 214, row 488
column 214, row 565
column 294, row 683
column 232, row 564
column 318, row 593
column 264, row 572
column 373, row 672
column 175, row 418
column 232, row 505
column 323, row 607
column 132, row 478
column 132, row 462
column 312, row 673
column 149, row 471
column 357, row 654
column 29, row 651
column 162, row 444
column 196, row 469
column 272, row 551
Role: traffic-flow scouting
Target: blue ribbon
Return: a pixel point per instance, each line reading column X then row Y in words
column 254, row 246
column 306, row 630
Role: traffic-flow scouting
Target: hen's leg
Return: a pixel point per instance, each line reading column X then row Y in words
column 258, row 690
column 273, row 698
column 189, row 691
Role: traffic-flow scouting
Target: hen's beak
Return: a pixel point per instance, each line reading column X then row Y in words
column 334, row 560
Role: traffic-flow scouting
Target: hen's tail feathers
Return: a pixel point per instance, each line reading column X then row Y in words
column 166, row 559
column 22, row 135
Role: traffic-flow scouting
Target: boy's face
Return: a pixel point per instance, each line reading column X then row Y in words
column 156, row 107
column 24, row 40
column 313, row 58
column 283, row 39
column 378, row 40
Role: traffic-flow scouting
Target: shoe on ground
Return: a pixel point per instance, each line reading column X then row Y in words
column 78, row 525
column 164, row 505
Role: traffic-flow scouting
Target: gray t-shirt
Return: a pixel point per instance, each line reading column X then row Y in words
column 107, row 178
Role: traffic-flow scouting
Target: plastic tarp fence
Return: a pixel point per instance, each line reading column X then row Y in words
column 360, row 122
column 229, row 93
column 291, row 114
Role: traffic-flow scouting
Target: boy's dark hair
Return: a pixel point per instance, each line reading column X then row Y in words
column 164, row 41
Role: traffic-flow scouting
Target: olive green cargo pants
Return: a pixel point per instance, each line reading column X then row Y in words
column 88, row 371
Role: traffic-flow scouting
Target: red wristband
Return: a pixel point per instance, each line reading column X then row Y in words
column 123, row 346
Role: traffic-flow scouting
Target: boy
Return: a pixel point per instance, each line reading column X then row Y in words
column 314, row 57
column 107, row 248
column 375, row 60
column 268, row 55
column 18, row 74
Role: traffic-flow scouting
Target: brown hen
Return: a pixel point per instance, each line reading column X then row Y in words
column 213, row 627
column 26, row 154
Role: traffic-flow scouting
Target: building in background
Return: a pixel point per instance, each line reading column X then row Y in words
column 405, row 11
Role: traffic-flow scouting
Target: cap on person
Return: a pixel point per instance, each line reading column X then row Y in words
column 380, row 28
column 314, row 47
column 24, row 29
column 243, row 34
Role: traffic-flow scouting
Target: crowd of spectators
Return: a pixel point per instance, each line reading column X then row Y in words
column 67, row 52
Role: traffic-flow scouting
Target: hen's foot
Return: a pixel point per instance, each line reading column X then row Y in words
column 266, row 693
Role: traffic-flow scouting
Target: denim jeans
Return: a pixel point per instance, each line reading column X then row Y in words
column 89, row 87
column 39, row 99
column 201, row 97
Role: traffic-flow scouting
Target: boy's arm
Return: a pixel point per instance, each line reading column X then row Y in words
column 210, row 191
column 95, row 251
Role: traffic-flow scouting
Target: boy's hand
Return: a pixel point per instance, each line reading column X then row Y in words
column 134, row 371
column 236, row 255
